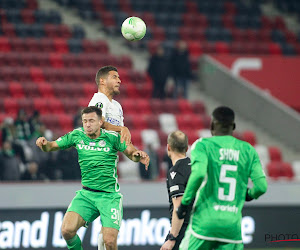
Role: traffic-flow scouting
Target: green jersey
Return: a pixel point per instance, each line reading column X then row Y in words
column 224, row 164
column 97, row 157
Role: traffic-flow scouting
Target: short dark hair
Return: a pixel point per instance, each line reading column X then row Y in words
column 224, row 116
column 92, row 109
column 102, row 72
column 178, row 141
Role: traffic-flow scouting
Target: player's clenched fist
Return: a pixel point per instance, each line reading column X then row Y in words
column 144, row 157
column 40, row 142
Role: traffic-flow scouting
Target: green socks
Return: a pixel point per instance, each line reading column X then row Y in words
column 74, row 243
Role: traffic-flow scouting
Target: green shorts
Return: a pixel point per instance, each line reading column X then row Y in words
column 89, row 205
column 190, row 242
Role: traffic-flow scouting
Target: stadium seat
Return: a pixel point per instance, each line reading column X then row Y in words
column 11, row 106
column 198, row 107
column 139, row 121
column 41, row 105
column 70, row 105
column 31, row 90
column 37, row 75
column 50, row 120
column 296, row 169
column 152, row 122
column 46, row 90
column 275, row 153
column 249, row 136
column 143, row 105
column 55, row 106
column 136, row 138
column 185, row 106
column 273, row 169
column 65, row 121
column 204, row 133
column 150, row 136
column 263, row 154
column 168, row 123
column 16, row 90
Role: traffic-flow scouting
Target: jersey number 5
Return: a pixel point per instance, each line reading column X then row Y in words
column 230, row 180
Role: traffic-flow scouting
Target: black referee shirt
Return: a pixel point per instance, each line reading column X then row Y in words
column 177, row 179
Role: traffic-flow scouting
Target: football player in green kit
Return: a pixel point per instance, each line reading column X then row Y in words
column 97, row 156
column 221, row 166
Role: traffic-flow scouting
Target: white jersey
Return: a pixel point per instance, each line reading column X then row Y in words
column 111, row 110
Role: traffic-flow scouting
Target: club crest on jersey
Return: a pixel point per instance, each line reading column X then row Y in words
column 99, row 105
column 92, row 143
column 102, row 143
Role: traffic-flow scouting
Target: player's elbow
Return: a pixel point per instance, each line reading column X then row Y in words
column 261, row 188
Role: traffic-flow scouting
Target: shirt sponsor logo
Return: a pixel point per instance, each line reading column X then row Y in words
column 81, row 142
column 173, row 174
column 102, row 143
column 174, row 188
column 91, row 148
column 59, row 139
column 92, row 143
column 227, row 208
column 113, row 121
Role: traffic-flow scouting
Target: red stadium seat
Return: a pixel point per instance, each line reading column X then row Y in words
column 152, row 122
column 163, row 137
column 249, row 136
column 50, row 121
column 132, row 91
column 70, row 105
column 11, row 106
column 4, row 44
column 157, row 106
column 198, row 107
column 275, row 49
column 41, row 105
column 287, row 170
column 26, row 104
column 192, row 136
column 61, row 45
column 222, row 48
column 275, row 153
column 139, row 121
column 171, row 106
column 185, row 106
column 129, row 107
column 55, row 106
column 46, row 90
column 143, row 105
column 273, row 169
column 136, row 138
column 66, row 122
column 56, row 60
column 27, row 16
column 89, row 90
column 37, row 75
column 16, row 90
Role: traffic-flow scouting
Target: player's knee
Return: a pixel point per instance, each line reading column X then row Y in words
column 67, row 233
column 110, row 242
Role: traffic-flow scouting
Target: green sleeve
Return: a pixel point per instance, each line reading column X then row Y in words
column 258, row 178
column 198, row 172
column 66, row 141
column 120, row 146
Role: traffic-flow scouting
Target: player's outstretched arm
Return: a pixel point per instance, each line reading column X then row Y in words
column 124, row 131
column 137, row 155
column 46, row 145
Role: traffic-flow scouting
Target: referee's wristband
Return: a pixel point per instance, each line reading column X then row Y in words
column 171, row 237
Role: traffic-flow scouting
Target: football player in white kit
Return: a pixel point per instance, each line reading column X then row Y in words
column 108, row 82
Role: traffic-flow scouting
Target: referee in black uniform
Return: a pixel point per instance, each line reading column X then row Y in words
column 177, row 179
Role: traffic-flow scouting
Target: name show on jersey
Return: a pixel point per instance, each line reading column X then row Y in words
column 229, row 154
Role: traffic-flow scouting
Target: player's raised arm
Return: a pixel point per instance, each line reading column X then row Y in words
column 124, row 131
column 137, row 155
column 45, row 145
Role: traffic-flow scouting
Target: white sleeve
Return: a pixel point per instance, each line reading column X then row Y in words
column 99, row 102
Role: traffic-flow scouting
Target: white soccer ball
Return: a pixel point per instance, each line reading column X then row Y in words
column 133, row 28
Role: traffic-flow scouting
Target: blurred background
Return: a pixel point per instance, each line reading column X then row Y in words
column 195, row 56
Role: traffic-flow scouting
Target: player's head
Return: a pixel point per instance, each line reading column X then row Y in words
column 108, row 80
column 222, row 121
column 91, row 120
column 177, row 143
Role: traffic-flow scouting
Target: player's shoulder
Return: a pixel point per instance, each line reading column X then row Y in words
column 110, row 134
column 199, row 142
column 99, row 99
column 182, row 165
column 115, row 102
column 77, row 131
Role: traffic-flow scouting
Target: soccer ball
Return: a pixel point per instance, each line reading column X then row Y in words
column 133, row 28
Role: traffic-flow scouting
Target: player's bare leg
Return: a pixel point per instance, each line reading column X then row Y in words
column 110, row 236
column 71, row 223
column 100, row 241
